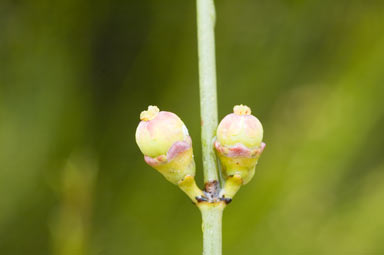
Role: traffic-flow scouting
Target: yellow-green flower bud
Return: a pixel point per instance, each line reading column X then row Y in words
column 239, row 143
column 164, row 140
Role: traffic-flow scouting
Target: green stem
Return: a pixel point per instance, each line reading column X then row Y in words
column 212, row 214
column 207, row 73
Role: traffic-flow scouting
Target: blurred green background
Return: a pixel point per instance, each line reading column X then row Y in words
column 74, row 76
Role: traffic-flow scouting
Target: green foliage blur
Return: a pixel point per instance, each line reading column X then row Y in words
column 75, row 75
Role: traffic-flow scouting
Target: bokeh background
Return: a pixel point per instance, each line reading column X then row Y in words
column 74, row 76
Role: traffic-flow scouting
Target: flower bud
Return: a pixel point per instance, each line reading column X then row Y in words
column 164, row 140
column 239, row 143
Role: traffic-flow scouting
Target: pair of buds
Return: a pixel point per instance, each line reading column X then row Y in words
column 164, row 140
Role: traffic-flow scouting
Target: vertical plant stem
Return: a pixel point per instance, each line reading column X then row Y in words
column 212, row 214
column 207, row 73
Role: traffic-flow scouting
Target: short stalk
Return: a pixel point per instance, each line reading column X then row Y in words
column 188, row 185
column 232, row 186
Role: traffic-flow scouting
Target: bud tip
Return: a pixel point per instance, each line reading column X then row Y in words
column 241, row 110
column 149, row 114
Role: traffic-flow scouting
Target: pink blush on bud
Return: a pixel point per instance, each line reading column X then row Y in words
column 173, row 152
column 155, row 161
column 239, row 150
column 178, row 147
column 228, row 120
column 262, row 147
column 162, row 118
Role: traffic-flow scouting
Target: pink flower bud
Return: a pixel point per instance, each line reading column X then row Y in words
column 240, row 127
column 164, row 140
column 239, row 143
